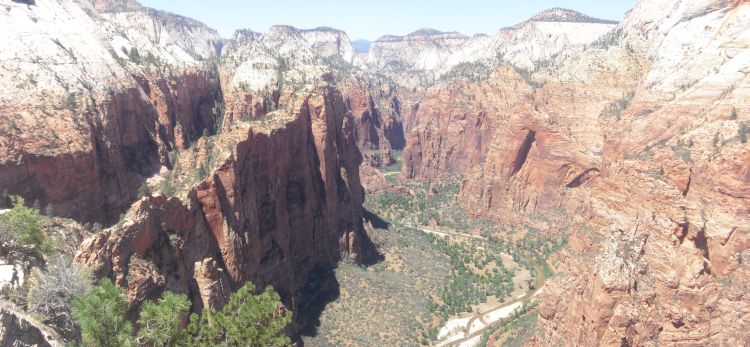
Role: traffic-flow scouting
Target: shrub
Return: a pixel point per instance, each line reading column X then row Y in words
column 247, row 320
column 167, row 187
column 50, row 294
column 49, row 211
column 101, row 316
column 134, row 56
column 24, row 225
column 202, row 172
column 160, row 322
column 472, row 71
column 144, row 190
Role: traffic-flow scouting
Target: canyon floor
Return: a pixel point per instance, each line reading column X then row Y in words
column 444, row 278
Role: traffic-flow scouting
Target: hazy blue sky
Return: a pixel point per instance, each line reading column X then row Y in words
column 373, row 18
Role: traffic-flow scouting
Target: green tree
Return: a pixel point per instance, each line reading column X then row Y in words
column 49, row 211
column 25, row 225
column 160, row 322
column 247, row 320
column 134, row 56
column 101, row 316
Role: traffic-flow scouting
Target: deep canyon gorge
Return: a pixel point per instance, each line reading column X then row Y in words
column 598, row 172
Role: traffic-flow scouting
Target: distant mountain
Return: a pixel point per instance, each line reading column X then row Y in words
column 558, row 14
column 362, row 46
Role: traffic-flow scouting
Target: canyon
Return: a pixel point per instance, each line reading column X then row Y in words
column 213, row 162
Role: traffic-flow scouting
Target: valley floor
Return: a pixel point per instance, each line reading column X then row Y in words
column 446, row 279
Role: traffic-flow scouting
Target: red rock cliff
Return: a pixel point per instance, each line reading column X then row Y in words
column 284, row 207
column 92, row 119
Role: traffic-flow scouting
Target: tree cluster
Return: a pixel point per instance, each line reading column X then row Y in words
column 247, row 320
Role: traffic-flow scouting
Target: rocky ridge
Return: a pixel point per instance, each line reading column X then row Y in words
column 152, row 89
column 669, row 209
column 257, row 216
column 422, row 57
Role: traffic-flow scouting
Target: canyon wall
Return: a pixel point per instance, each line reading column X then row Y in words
column 661, row 256
column 277, row 200
column 111, row 109
column 283, row 207
column 93, row 102
column 424, row 57
column 638, row 140
column 246, row 152
column 377, row 112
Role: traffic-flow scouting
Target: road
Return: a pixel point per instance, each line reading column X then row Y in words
column 450, row 234
column 469, row 327
column 473, row 329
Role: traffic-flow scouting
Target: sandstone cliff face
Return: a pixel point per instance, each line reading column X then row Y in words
column 547, row 34
column 423, row 49
column 554, row 142
column 257, row 67
column 104, row 6
column 453, row 127
column 285, row 205
column 84, row 121
column 642, row 134
column 282, row 200
column 377, row 112
column 662, row 258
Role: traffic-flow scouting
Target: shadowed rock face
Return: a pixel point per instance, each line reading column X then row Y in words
column 285, row 206
column 378, row 118
column 98, row 182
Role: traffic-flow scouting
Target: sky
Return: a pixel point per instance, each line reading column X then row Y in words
column 371, row 19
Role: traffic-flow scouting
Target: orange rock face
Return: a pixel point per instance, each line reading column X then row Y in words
column 115, row 145
column 82, row 122
column 453, row 127
column 651, row 172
